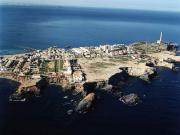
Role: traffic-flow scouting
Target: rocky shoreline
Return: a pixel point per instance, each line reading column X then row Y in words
column 86, row 79
column 91, row 88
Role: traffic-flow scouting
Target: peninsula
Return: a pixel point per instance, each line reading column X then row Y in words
column 72, row 68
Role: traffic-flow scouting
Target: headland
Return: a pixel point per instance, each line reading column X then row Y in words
column 74, row 68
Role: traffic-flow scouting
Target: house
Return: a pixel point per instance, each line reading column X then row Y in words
column 68, row 70
column 77, row 51
column 78, row 76
column 36, row 76
column 84, row 49
column 3, row 69
column 105, row 48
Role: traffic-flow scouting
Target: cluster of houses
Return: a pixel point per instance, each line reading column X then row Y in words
column 116, row 50
column 30, row 64
column 71, row 74
column 103, row 50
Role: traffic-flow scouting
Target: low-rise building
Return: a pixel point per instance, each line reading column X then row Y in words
column 78, row 76
column 36, row 76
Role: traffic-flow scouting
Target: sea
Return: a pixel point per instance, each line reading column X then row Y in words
column 40, row 27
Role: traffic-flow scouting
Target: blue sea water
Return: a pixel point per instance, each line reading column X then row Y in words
column 24, row 27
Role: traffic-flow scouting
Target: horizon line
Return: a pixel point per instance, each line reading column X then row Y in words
column 90, row 7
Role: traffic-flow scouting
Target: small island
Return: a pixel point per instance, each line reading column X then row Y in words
column 87, row 69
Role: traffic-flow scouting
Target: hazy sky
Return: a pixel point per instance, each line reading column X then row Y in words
column 169, row 5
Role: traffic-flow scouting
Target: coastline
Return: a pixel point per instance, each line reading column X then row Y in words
column 78, row 66
column 72, row 70
column 121, row 78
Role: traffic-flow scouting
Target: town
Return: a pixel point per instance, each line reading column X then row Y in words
column 59, row 65
column 71, row 68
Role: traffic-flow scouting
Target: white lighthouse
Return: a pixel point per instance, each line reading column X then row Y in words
column 160, row 39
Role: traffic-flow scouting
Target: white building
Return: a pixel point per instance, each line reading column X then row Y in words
column 160, row 39
column 78, row 76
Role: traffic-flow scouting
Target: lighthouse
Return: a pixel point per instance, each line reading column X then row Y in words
column 160, row 39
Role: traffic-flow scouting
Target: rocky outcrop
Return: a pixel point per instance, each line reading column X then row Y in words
column 117, row 78
column 145, row 73
column 150, row 64
column 165, row 64
column 176, row 69
column 139, row 71
column 34, row 88
column 169, row 60
column 86, row 103
column 131, row 99
column 28, row 90
column 107, row 88
column 172, row 47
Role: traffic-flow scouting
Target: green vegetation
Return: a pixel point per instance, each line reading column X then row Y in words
column 61, row 64
column 148, row 48
column 120, row 59
column 44, row 67
column 142, row 61
column 52, row 66
column 101, row 65
column 58, row 65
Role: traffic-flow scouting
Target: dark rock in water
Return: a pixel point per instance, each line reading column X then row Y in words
column 150, row 64
column 176, row 69
column 69, row 112
column 131, row 99
column 89, row 87
column 148, row 76
column 118, row 77
column 65, row 97
column 117, row 93
column 66, row 103
column 72, row 100
column 107, row 88
column 145, row 77
column 172, row 47
column 101, row 84
column 86, row 103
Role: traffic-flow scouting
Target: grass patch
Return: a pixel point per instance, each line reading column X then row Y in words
column 149, row 48
column 101, row 65
column 44, row 67
column 58, row 65
column 120, row 59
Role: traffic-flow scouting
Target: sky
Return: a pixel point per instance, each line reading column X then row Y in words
column 163, row 5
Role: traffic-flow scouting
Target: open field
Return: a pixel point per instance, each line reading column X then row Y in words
column 103, row 69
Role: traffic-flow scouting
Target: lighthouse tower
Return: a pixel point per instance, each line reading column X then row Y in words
column 160, row 39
